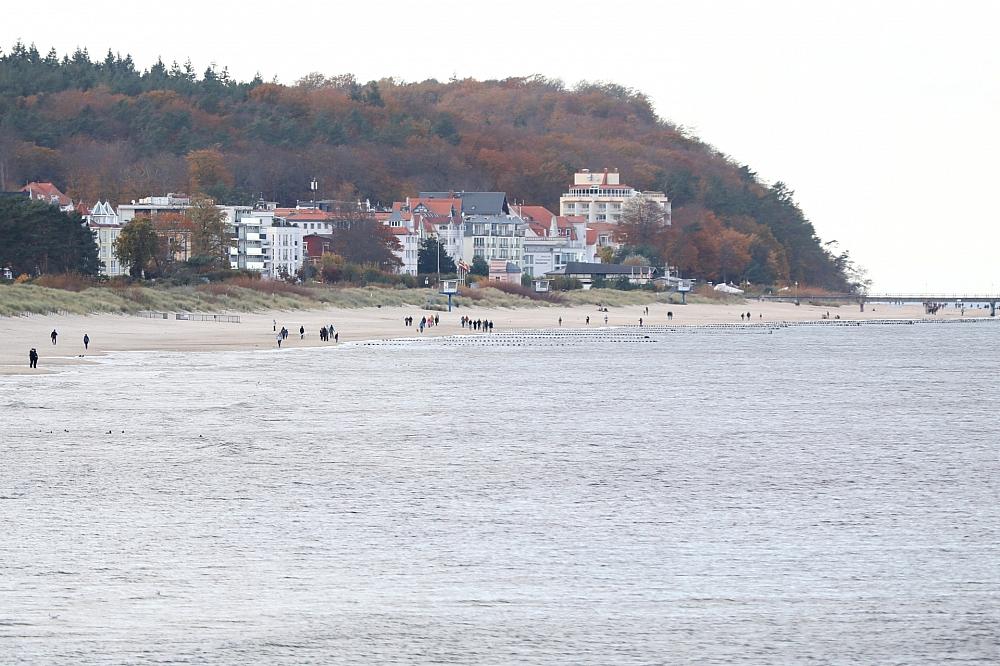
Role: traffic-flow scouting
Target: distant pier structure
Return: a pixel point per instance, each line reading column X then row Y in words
column 931, row 301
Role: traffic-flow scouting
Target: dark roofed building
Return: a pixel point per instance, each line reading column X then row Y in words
column 475, row 203
column 587, row 272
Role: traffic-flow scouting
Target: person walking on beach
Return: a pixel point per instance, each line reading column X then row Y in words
column 640, row 321
column 302, row 332
column 670, row 315
column 336, row 337
column 86, row 341
column 54, row 336
column 278, row 338
column 274, row 325
column 647, row 309
column 605, row 320
column 560, row 321
column 588, row 320
column 33, row 358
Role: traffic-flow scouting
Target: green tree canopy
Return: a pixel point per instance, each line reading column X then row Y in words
column 480, row 267
column 37, row 238
column 137, row 246
column 427, row 257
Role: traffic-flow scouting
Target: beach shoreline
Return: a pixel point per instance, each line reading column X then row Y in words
column 110, row 333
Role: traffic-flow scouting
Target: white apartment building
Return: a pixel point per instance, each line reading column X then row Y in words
column 105, row 236
column 284, row 250
column 494, row 237
column 102, row 220
column 409, row 241
column 281, row 245
column 598, row 197
column 551, row 241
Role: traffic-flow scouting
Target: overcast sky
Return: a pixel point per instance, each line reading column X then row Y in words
column 882, row 116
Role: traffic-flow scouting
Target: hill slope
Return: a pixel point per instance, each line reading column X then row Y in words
column 105, row 130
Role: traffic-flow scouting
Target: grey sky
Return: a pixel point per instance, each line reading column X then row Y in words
column 882, row 116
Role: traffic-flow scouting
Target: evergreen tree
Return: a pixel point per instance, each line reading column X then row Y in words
column 39, row 238
column 427, row 258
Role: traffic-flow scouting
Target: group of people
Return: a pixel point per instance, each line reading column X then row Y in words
column 485, row 325
column 54, row 337
column 326, row 333
column 747, row 316
column 425, row 322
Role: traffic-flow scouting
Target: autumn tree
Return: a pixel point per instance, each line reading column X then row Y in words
column 138, row 246
column 209, row 235
column 366, row 241
column 208, row 173
column 642, row 226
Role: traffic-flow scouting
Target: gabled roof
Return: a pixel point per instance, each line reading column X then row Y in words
column 534, row 213
column 47, row 192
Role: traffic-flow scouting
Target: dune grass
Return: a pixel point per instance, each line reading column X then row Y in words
column 257, row 295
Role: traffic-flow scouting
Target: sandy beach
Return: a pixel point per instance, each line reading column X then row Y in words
column 110, row 332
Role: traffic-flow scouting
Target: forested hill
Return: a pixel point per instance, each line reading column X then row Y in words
column 106, row 130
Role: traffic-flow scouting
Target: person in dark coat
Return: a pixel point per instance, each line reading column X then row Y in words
column 86, row 341
column 54, row 336
column 33, row 358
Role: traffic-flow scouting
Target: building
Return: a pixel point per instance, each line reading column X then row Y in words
column 504, row 271
column 588, row 273
column 284, row 251
column 50, row 194
column 488, row 229
column 409, row 242
column 316, row 245
column 102, row 220
column 599, row 197
column 552, row 241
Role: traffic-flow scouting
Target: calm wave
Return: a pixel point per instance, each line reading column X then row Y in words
column 816, row 494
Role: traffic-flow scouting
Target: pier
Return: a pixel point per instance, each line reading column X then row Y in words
column 958, row 300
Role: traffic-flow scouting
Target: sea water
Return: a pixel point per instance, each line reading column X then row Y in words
column 812, row 494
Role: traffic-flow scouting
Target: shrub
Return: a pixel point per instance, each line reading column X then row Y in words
column 526, row 292
column 65, row 281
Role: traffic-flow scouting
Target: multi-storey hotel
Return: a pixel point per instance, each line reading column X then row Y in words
column 598, row 197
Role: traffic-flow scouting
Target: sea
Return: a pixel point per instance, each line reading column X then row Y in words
column 718, row 495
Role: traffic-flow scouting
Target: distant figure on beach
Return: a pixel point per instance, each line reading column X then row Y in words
column 560, row 322
column 274, row 325
column 437, row 320
column 748, row 316
column 640, row 321
column 647, row 310
column 588, row 320
column 741, row 316
column 490, row 325
column 670, row 315
column 33, row 358
column 336, row 337
column 86, row 341
column 322, row 334
column 605, row 319
column 54, row 336
column 302, row 332
column 278, row 338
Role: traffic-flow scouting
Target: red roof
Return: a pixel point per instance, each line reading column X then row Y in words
column 535, row 213
column 47, row 192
